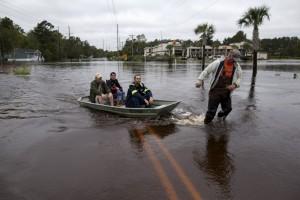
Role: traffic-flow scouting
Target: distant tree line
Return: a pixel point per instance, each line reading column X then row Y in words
column 44, row 37
column 283, row 47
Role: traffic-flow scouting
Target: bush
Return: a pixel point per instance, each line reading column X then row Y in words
column 22, row 70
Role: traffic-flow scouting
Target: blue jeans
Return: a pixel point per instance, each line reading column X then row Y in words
column 120, row 95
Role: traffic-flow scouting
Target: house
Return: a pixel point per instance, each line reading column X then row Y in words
column 196, row 52
column 25, row 55
column 174, row 48
column 262, row 55
column 193, row 52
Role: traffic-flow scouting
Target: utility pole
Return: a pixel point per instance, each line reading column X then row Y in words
column 69, row 31
column 160, row 36
column 118, row 38
column 161, row 40
column 132, row 44
column 103, row 45
column 59, row 53
column 203, row 52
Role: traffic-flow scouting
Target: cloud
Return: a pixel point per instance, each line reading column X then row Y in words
column 95, row 20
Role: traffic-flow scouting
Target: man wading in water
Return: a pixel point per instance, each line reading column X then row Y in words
column 226, row 77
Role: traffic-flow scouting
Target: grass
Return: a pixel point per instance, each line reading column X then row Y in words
column 22, row 70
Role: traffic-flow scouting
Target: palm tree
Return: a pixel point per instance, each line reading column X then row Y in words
column 206, row 32
column 254, row 17
column 170, row 48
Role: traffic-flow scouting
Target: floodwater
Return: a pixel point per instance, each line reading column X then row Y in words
column 51, row 148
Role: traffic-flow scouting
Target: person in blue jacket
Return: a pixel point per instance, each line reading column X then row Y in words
column 138, row 95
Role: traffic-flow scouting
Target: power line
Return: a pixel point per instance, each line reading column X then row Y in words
column 21, row 13
column 183, row 22
column 12, row 7
column 118, row 37
column 17, row 6
column 15, row 11
column 177, row 4
column 114, row 10
column 25, row 24
column 174, row 3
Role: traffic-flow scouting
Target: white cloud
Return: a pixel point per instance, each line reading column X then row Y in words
column 95, row 20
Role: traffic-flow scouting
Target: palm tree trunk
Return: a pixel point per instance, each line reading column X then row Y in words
column 255, row 37
column 1, row 51
column 203, row 57
column 254, row 69
column 1, row 56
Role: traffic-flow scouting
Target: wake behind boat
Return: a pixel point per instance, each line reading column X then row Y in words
column 160, row 107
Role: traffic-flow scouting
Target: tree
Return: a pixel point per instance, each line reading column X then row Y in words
column 240, row 36
column 74, row 48
column 11, row 36
column 48, row 40
column 187, row 43
column 170, row 49
column 254, row 17
column 206, row 32
column 216, row 43
column 135, row 47
column 285, row 47
column 141, row 38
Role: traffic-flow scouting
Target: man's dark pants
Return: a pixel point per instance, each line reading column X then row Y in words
column 216, row 97
column 137, row 102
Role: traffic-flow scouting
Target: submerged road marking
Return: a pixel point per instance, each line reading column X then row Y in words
column 180, row 172
column 165, row 181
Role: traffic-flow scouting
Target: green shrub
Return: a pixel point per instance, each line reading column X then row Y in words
column 22, row 70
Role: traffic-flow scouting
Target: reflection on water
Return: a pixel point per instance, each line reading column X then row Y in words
column 160, row 131
column 251, row 99
column 249, row 106
column 134, row 68
column 279, row 67
column 216, row 162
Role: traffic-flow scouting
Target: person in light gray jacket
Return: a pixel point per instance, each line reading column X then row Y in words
column 225, row 78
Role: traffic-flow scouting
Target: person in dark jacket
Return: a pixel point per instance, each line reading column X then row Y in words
column 138, row 95
column 99, row 92
column 115, row 88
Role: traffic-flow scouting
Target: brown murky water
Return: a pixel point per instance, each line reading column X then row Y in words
column 50, row 148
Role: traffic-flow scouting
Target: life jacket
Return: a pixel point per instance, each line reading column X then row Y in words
column 141, row 89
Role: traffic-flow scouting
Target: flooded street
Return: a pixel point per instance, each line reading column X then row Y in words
column 51, row 148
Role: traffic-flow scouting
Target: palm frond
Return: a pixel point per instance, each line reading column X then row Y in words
column 254, row 16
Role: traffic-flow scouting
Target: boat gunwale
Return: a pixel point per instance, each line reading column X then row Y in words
column 157, row 108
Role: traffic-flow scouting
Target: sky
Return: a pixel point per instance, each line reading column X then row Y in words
column 96, row 20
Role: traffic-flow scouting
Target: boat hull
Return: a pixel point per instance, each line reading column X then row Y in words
column 160, row 107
